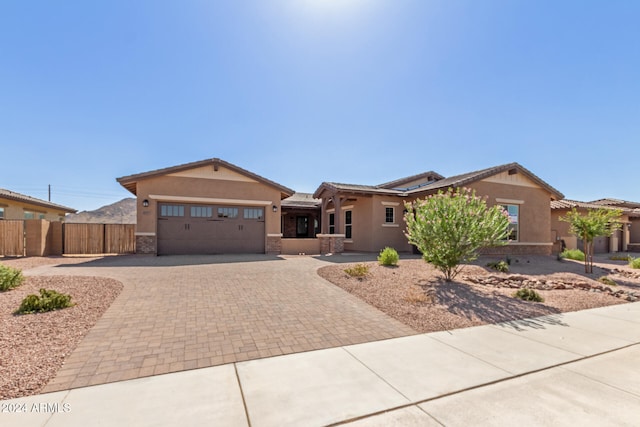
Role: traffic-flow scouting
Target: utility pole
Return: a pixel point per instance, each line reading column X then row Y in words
column 49, row 192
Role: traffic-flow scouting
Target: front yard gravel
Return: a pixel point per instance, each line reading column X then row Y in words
column 34, row 346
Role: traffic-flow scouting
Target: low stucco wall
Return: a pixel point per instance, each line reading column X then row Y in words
column 301, row 246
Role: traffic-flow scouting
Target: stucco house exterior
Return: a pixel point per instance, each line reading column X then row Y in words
column 627, row 238
column 212, row 206
column 205, row 207
column 370, row 217
column 16, row 206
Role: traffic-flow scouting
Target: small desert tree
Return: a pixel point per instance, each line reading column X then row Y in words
column 596, row 223
column 450, row 228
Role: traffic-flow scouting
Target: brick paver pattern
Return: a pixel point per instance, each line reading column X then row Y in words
column 186, row 312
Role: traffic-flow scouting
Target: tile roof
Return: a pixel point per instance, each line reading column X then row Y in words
column 12, row 195
column 616, row 202
column 399, row 183
column 432, row 186
column 469, row 177
column 301, row 200
column 570, row 204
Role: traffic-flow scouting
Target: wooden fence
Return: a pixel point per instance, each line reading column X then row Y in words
column 11, row 238
column 99, row 238
column 41, row 238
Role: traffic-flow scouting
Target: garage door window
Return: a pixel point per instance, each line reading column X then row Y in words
column 253, row 213
column 201, row 211
column 171, row 210
column 227, row 212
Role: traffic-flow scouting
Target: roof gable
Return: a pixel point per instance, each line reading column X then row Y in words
column 207, row 169
column 502, row 174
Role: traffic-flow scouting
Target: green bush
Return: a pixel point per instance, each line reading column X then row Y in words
column 607, row 281
column 10, row 278
column 620, row 258
column 358, row 270
column 502, row 266
column 528, row 295
column 388, row 256
column 48, row 300
column 575, row 254
column 634, row 262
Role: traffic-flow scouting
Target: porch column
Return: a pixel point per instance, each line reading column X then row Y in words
column 625, row 236
column 337, row 204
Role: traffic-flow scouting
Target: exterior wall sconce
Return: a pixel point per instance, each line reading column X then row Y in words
column 145, row 203
column 274, row 208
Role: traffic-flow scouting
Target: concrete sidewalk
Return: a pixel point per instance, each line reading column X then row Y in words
column 577, row 368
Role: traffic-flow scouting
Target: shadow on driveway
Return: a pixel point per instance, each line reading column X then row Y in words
column 171, row 260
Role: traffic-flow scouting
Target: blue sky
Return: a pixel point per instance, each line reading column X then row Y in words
column 305, row 91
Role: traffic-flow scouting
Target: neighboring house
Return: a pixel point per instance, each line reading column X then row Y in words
column 370, row 217
column 19, row 206
column 625, row 239
column 205, row 207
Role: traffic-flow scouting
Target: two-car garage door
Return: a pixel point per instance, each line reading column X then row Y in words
column 210, row 229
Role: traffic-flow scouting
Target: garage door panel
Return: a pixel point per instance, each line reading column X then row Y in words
column 210, row 230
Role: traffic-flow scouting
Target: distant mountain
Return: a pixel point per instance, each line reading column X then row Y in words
column 122, row 212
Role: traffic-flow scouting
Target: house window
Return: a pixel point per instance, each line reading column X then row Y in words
column 171, row 210
column 201, row 211
column 514, row 213
column 389, row 215
column 347, row 224
column 332, row 223
column 253, row 213
column 29, row 215
column 1, row 213
column 227, row 212
column 41, row 216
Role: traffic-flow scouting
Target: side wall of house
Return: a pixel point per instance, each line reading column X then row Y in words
column 534, row 222
column 362, row 236
column 388, row 234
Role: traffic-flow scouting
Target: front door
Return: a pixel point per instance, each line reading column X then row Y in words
column 302, row 226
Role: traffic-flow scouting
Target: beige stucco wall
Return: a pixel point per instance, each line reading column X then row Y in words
column 207, row 190
column 535, row 216
column 15, row 210
column 634, row 231
column 361, row 226
column 391, row 235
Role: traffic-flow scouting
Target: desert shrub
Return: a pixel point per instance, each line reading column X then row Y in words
column 607, row 281
column 620, row 258
column 48, row 300
column 10, row 278
column 388, row 256
column 358, row 270
column 450, row 228
column 528, row 295
column 502, row 266
column 575, row 254
column 634, row 262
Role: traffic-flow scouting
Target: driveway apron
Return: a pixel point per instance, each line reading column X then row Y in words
column 178, row 313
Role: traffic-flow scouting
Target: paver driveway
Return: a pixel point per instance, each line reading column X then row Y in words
column 184, row 312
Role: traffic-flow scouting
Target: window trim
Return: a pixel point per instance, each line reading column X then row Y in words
column 348, row 224
column 386, row 215
column 505, row 206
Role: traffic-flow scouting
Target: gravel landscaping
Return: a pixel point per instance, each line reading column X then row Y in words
column 34, row 346
column 414, row 293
